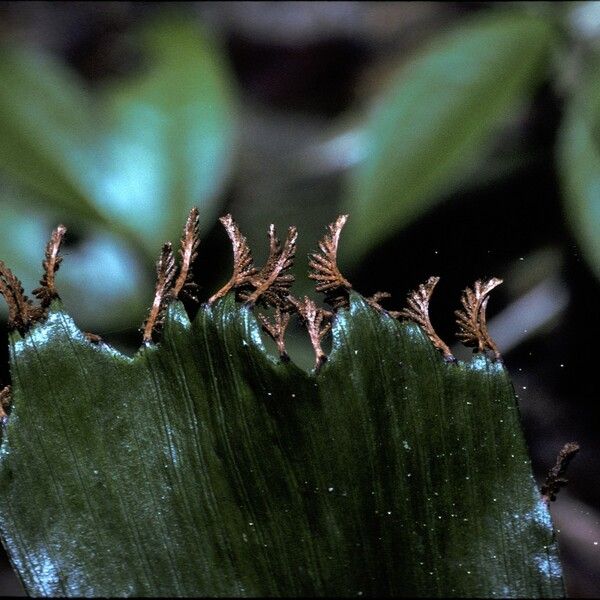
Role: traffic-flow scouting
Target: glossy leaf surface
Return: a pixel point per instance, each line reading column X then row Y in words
column 204, row 467
column 438, row 117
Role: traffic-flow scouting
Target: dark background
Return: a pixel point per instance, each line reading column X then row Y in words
column 299, row 68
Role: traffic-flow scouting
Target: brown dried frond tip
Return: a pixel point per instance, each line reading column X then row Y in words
column 324, row 267
column 5, row 400
column 243, row 268
column 52, row 259
column 375, row 299
column 276, row 330
column 92, row 337
column 555, row 478
column 313, row 317
column 272, row 283
column 188, row 250
column 21, row 312
column 165, row 273
column 418, row 311
column 472, row 320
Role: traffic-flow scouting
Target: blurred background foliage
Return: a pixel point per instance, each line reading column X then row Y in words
column 462, row 139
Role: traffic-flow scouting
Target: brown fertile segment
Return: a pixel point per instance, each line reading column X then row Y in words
column 330, row 280
column 276, row 330
column 313, row 317
column 5, row 400
column 165, row 273
column 188, row 250
column 472, row 320
column 272, row 284
column 21, row 312
column 324, row 267
column 374, row 302
column 92, row 337
column 418, row 311
column 243, row 268
column 555, row 478
column 47, row 290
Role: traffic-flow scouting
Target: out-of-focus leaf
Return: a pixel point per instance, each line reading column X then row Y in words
column 438, row 117
column 203, row 467
column 170, row 134
column 138, row 160
column 578, row 157
column 104, row 282
column 46, row 132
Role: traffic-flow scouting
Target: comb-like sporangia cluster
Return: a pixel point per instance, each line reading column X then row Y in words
column 268, row 286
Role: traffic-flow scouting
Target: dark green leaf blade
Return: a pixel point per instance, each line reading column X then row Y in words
column 438, row 117
column 440, row 448
column 203, row 467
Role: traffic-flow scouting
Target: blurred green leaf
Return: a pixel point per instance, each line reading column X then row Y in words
column 170, row 136
column 578, row 155
column 438, row 117
column 46, row 131
column 155, row 146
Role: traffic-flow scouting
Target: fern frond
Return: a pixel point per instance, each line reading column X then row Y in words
column 243, row 267
column 324, row 268
column 418, row 311
column 188, row 251
column 165, row 273
column 273, row 282
column 471, row 319
column 47, row 290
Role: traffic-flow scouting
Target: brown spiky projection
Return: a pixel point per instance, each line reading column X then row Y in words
column 418, row 311
column 324, row 269
column 556, row 476
column 375, row 302
column 21, row 311
column 273, row 282
column 165, row 273
column 52, row 259
column 188, row 251
column 276, row 330
column 243, row 268
column 317, row 322
column 471, row 319
column 5, row 400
